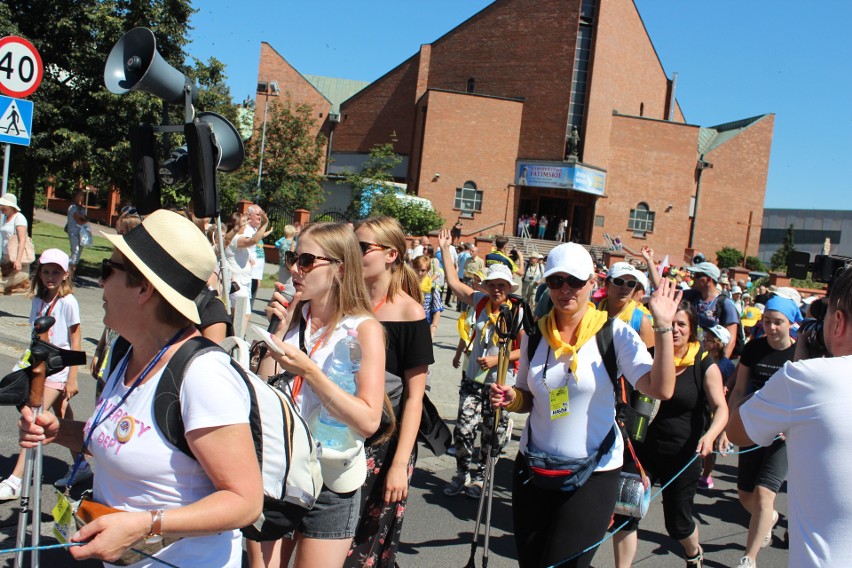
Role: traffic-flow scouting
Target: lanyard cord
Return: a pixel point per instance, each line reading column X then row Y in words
column 97, row 421
column 50, row 307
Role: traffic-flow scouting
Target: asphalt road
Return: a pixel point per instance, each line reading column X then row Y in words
column 437, row 530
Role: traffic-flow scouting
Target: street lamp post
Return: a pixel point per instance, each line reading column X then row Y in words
column 265, row 88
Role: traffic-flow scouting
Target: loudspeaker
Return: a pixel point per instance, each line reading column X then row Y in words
column 134, row 64
column 228, row 148
column 231, row 150
column 143, row 159
column 203, row 161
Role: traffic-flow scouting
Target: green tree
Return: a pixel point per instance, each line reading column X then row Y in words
column 754, row 263
column 728, row 257
column 292, row 159
column 372, row 181
column 80, row 129
column 416, row 218
column 779, row 258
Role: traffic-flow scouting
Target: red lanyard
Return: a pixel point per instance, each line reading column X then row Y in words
column 50, row 307
column 297, row 380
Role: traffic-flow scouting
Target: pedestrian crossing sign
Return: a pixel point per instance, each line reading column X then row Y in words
column 16, row 121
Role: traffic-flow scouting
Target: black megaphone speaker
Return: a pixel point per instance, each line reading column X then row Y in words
column 231, row 149
column 134, row 64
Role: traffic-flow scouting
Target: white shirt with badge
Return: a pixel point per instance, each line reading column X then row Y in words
column 571, row 416
column 138, row 470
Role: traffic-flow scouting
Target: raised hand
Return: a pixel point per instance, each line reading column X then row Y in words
column 444, row 238
column 664, row 303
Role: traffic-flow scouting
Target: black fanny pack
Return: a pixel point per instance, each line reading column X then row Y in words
column 560, row 473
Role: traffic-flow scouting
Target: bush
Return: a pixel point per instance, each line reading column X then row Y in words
column 728, row 257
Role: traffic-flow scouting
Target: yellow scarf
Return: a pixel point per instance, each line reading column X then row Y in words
column 592, row 322
column 492, row 319
column 689, row 359
column 626, row 313
column 426, row 285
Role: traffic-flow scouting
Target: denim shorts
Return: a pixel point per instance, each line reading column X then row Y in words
column 333, row 516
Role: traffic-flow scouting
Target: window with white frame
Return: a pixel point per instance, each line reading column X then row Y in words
column 468, row 199
column 641, row 220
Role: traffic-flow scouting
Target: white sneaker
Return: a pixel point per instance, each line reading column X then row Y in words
column 8, row 492
column 458, row 484
column 746, row 562
column 83, row 473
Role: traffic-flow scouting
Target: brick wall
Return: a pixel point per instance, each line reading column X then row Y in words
column 651, row 161
column 734, row 186
column 470, row 138
column 627, row 76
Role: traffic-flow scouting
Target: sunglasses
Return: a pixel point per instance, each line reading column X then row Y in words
column 370, row 247
column 306, row 260
column 107, row 266
column 557, row 281
column 129, row 210
column 623, row 282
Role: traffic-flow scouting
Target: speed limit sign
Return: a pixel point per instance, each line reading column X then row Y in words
column 21, row 69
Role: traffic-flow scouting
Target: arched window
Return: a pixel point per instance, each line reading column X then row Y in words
column 641, row 220
column 471, row 85
column 468, row 199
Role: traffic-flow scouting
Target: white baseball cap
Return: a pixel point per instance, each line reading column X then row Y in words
column 344, row 471
column 736, row 289
column 500, row 271
column 570, row 258
column 620, row 269
column 723, row 334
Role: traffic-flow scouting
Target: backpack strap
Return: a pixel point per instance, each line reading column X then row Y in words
column 120, row 347
column 606, row 346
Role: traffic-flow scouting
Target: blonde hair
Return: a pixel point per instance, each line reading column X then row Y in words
column 37, row 289
column 421, row 261
column 348, row 290
column 127, row 222
column 389, row 233
column 289, row 231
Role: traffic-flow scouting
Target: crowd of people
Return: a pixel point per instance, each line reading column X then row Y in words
column 603, row 339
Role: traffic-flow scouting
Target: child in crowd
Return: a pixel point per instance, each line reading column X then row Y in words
column 52, row 295
column 432, row 303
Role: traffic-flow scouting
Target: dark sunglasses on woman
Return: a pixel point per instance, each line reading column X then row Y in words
column 370, row 247
column 306, row 260
column 623, row 282
column 107, row 266
column 557, row 281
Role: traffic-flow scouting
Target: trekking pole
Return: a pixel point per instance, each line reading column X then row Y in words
column 34, row 456
column 506, row 330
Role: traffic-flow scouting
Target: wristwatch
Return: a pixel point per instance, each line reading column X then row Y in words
column 155, row 535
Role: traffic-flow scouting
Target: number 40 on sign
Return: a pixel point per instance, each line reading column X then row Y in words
column 21, row 68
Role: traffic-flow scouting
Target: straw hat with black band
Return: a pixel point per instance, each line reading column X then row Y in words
column 173, row 254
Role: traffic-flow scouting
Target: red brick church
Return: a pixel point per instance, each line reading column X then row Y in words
column 555, row 107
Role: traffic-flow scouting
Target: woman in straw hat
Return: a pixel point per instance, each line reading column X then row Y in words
column 179, row 509
column 331, row 301
column 571, row 401
column 15, row 274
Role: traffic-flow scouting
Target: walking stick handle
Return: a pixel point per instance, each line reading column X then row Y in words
column 39, row 373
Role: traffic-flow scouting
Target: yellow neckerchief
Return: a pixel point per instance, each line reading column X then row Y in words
column 492, row 318
column 626, row 313
column 426, row 285
column 593, row 320
column 689, row 359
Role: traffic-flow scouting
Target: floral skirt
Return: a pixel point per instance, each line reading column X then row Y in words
column 380, row 525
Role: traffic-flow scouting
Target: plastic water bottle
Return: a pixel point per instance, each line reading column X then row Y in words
column 345, row 362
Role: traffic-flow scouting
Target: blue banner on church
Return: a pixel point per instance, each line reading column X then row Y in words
column 573, row 176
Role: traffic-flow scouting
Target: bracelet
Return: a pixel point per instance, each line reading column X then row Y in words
column 663, row 329
column 517, row 402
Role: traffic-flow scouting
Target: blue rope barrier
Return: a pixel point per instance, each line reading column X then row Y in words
column 72, row 544
column 654, row 496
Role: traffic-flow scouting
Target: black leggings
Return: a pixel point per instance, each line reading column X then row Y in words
column 551, row 526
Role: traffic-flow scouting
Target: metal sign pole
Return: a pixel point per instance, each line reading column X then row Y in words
column 6, row 155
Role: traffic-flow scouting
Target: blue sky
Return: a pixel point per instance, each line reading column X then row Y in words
column 734, row 60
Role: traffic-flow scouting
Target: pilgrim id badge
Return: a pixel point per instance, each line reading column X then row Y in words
column 559, row 403
column 63, row 519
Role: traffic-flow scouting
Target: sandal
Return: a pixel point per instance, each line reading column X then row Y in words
column 696, row 561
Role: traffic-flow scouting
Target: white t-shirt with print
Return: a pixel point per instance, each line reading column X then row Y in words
column 66, row 311
column 307, row 402
column 239, row 262
column 256, row 253
column 591, row 398
column 148, row 473
column 809, row 402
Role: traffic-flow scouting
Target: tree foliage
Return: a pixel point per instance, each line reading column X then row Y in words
column 754, row 263
column 292, row 159
column 79, row 128
column 779, row 257
column 728, row 257
column 372, row 181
